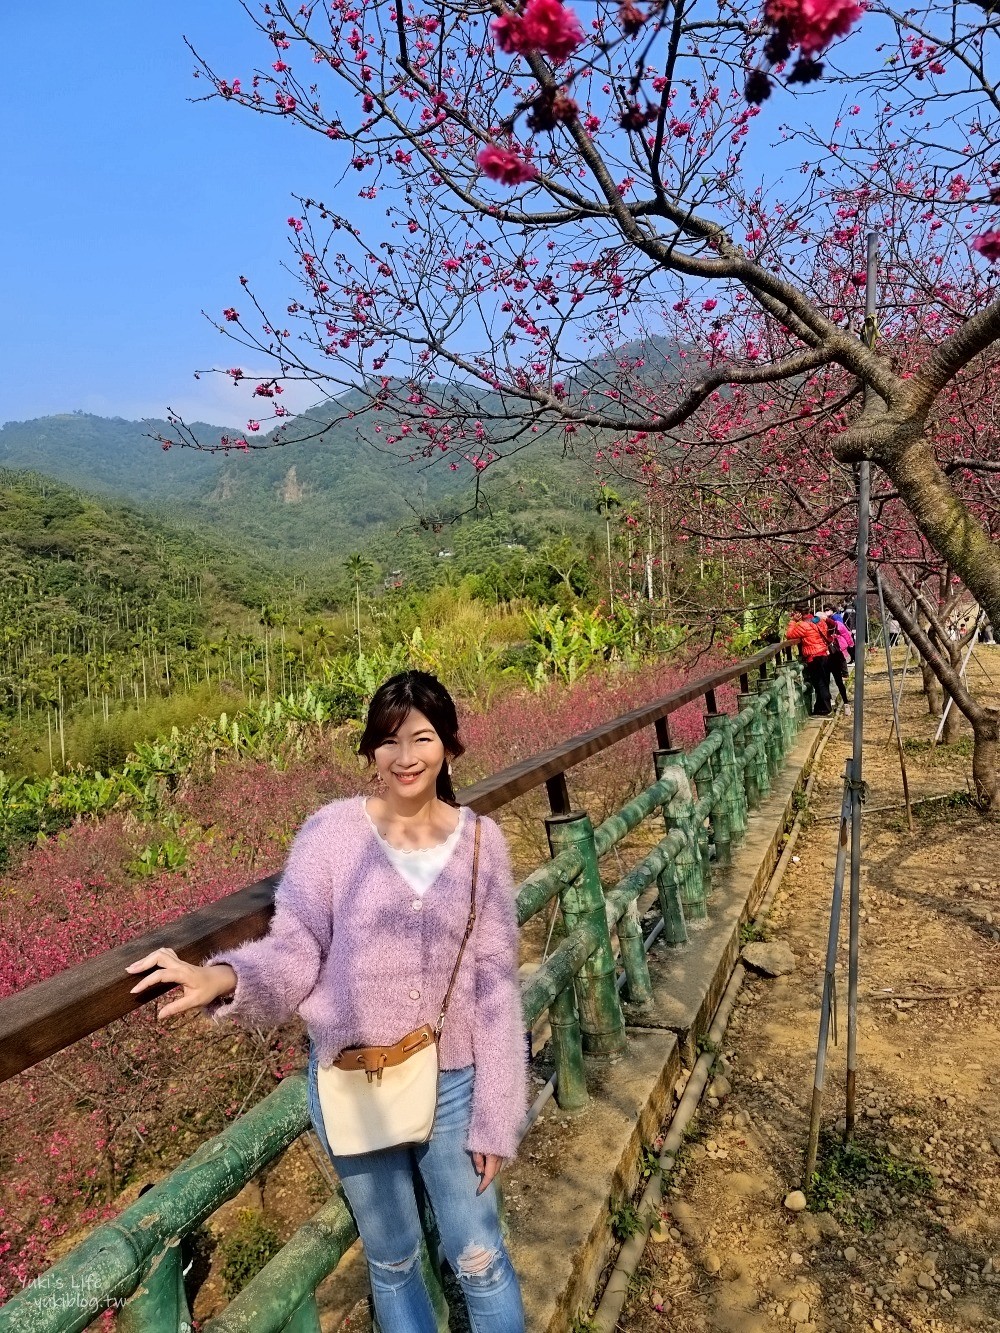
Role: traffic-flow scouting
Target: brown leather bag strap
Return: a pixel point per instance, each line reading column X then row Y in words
column 465, row 938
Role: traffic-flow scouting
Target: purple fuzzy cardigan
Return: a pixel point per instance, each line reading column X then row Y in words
column 363, row 960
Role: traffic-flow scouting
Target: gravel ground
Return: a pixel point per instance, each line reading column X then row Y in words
column 903, row 1232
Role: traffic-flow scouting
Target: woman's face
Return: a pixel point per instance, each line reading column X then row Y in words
column 408, row 762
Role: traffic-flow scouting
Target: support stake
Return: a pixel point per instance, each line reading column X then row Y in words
column 827, row 1008
column 861, row 643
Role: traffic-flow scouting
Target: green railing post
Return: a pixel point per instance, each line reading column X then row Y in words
column 801, row 677
column 735, row 797
column 798, row 679
column 683, row 883
column 567, row 1051
column 601, row 1018
column 756, row 734
column 638, row 987
column 159, row 1303
column 702, row 828
column 772, row 725
column 779, row 704
column 718, row 815
column 789, row 708
column 744, row 742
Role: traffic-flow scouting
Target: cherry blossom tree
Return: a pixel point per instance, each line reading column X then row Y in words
column 541, row 185
column 774, row 489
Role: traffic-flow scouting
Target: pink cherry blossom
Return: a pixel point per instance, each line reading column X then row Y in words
column 813, row 24
column 505, row 166
column 545, row 26
column 988, row 245
column 631, row 17
column 295, row 224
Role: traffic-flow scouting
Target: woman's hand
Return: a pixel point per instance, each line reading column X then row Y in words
column 199, row 985
column 487, row 1168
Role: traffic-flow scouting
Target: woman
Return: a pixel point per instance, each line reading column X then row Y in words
column 841, row 642
column 368, row 918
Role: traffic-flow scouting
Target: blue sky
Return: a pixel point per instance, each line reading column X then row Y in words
column 127, row 208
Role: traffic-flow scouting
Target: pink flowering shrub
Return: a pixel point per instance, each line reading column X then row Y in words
column 523, row 724
column 72, row 893
column 134, row 1099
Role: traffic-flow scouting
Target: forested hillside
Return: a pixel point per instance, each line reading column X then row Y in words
column 322, row 493
column 110, row 456
column 102, row 605
column 118, row 624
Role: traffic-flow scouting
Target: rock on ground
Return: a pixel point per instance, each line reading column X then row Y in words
column 774, row 959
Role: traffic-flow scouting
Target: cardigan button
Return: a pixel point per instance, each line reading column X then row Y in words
column 416, row 904
column 414, row 995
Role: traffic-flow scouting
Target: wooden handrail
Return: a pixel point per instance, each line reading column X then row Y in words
column 491, row 793
column 52, row 1014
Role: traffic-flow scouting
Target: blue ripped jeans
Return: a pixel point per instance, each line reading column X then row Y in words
column 380, row 1189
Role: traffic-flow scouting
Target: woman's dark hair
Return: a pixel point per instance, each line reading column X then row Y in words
column 397, row 697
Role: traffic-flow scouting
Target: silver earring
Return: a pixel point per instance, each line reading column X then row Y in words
column 449, row 770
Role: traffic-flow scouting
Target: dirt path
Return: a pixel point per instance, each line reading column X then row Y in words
column 906, row 1230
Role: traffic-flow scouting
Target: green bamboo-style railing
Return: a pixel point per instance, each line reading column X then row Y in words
column 704, row 797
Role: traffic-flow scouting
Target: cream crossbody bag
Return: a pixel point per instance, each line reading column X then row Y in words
column 376, row 1097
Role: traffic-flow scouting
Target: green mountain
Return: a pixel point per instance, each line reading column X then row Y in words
column 330, row 485
column 110, row 456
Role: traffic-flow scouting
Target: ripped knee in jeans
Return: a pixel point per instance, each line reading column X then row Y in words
column 477, row 1264
column 396, row 1271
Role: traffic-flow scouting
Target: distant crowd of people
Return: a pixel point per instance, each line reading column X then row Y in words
column 826, row 642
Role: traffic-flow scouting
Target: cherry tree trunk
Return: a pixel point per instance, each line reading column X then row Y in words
column 985, row 758
column 932, row 689
column 945, row 521
column 952, row 723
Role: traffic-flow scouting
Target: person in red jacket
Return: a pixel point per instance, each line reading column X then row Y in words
column 813, row 637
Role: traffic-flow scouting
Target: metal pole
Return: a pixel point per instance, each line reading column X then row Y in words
column 829, row 981
column 861, row 643
column 895, row 705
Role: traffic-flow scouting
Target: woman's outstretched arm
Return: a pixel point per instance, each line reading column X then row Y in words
column 273, row 974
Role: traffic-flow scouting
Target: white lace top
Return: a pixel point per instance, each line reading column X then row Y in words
column 421, row 866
